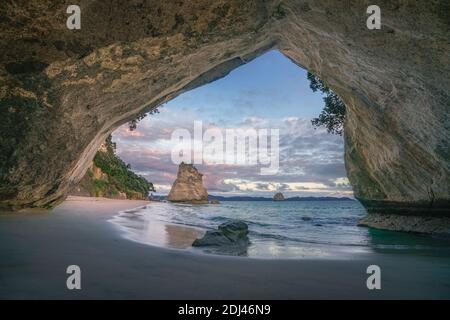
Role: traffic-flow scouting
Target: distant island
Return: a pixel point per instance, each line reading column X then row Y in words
column 250, row 198
column 278, row 197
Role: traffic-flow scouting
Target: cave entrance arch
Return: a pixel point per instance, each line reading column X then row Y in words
column 268, row 94
column 63, row 92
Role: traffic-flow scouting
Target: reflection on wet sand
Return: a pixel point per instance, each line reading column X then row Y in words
column 181, row 237
column 142, row 228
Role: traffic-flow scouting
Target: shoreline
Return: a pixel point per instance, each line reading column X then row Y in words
column 159, row 233
column 72, row 198
column 35, row 251
column 179, row 236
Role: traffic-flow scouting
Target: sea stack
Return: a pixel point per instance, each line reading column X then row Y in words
column 188, row 187
column 278, row 197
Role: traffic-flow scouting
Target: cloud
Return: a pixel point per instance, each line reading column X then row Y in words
column 291, row 121
column 253, row 122
column 311, row 160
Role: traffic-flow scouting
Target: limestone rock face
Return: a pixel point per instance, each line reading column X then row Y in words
column 417, row 224
column 108, row 176
column 63, row 91
column 278, row 196
column 188, row 187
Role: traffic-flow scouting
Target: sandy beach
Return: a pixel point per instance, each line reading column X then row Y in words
column 36, row 248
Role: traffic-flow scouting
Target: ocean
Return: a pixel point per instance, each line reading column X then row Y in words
column 277, row 230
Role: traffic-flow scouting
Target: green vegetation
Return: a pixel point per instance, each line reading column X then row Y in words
column 113, row 178
column 332, row 116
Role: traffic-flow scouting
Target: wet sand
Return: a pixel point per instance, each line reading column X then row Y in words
column 36, row 248
column 155, row 232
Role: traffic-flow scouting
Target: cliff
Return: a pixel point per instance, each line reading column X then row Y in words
column 62, row 92
column 108, row 176
column 188, row 187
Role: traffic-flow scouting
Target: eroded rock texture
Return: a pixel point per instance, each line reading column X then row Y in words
column 188, row 187
column 230, row 237
column 63, row 91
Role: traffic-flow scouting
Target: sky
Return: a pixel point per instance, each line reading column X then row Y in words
column 269, row 92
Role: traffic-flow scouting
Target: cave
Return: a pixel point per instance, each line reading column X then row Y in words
column 64, row 91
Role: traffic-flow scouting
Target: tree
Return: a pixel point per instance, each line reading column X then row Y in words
column 333, row 114
column 119, row 174
column 132, row 125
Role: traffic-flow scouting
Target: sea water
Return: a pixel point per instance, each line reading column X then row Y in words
column 281, row 230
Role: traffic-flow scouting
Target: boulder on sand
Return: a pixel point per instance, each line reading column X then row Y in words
column 233, row 233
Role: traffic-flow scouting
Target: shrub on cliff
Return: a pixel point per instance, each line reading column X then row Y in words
column 333, row 114
column 119, row 175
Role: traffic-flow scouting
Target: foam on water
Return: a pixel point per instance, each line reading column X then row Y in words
column 302, row 229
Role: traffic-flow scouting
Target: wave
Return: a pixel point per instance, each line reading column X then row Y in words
column 280, row 237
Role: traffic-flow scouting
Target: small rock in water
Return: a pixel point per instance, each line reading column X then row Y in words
column 278, row 197
column 233, row 233
column 214, row 201
column 306, row 218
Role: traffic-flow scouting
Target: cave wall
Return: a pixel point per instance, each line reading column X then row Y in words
column 63, row 91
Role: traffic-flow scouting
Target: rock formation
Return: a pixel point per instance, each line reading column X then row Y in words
column 63, row 91
column 419, row 224
column 108, row 176
column 188, row 187
column 95, row 183
column 233, row 233
column 278, row 196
